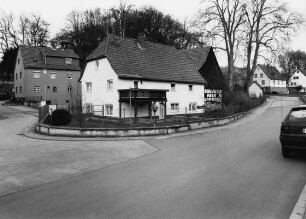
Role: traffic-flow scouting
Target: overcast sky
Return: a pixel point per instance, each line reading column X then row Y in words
column 55, row 11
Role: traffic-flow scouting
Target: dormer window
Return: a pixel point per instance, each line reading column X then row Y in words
column 68, row 61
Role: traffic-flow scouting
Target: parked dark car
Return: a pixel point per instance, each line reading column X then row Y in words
column 293, row 131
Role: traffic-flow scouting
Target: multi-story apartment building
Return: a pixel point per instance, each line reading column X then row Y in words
column 46, row 75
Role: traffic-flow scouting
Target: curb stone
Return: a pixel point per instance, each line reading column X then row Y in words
column 249, row 116
column 300, row 207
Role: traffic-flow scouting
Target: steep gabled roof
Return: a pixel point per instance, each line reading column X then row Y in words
column 197, row 56
column 272, row 72
column 204, row 60
column 131, row 58
column 255, row 82
column 34, row 57
column 303, row 71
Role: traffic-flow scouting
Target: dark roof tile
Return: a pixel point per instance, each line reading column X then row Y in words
column 33, row 57
column 272, row 72
column 151, row 61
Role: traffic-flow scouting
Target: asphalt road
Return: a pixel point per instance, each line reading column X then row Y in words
column 236, row 173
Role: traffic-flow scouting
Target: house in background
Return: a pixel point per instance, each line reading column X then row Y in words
column 204, row 60
column 298, row 79
column 46, row 74
column 270, row 79
column 255, row 90
column 127, row 77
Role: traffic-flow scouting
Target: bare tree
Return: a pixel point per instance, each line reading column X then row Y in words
column 8, row 33
column 268, row 24
column 223, row 20
column 27, row 30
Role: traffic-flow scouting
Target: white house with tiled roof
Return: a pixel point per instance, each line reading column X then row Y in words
column 255, row 90
column 46, row 74
column 127, row 77
column 298, row 79
column 270, row 79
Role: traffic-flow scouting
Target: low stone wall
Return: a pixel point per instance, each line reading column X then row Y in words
column 132, row 132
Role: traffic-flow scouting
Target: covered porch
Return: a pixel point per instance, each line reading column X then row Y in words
column 134, row 97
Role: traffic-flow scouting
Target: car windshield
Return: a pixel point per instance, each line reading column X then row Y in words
column 297, row 115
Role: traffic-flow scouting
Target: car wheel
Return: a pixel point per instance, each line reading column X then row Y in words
column 286, row 152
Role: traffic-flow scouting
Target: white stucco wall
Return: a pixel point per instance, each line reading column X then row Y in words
column 268, row 82
column 100, row 96
column 19, row 82
column 255, row 90
column 297, row 79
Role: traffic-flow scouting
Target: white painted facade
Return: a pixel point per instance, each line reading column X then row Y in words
column 264, row 81
column 297, row 79
column 267, row 84
column 99, row 73
column 255, row 90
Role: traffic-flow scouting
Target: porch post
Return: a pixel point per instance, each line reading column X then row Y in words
column 150, row 109
column 165, row 108
column 120, row 109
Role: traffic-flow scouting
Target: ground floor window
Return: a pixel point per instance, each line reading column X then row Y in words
column 109, row 109
column 192, row 106
column 37, row 89
column 174, row 106
column 69, row 89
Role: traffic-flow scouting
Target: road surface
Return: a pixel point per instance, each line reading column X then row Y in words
column 236, row 173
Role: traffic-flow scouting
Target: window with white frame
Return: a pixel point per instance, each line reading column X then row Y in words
column 36, row 74
column 54, row 89
column 52, row 75
column 192, row 106
column 136, row 84
column 174, row 106
column 36, row 89
column 69, row 89
column 261, row 75
column 255, row 75
column 110, row 85
column 172, row 87
column 190, row 87
column 69, row 76
column 88, row 86
column 68, row 61
column 109, row 109
column 263, row 82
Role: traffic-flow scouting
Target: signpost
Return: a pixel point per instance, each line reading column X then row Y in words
column 154, row 109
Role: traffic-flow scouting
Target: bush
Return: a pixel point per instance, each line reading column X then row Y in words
column 240, row 102
column 60, row 117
